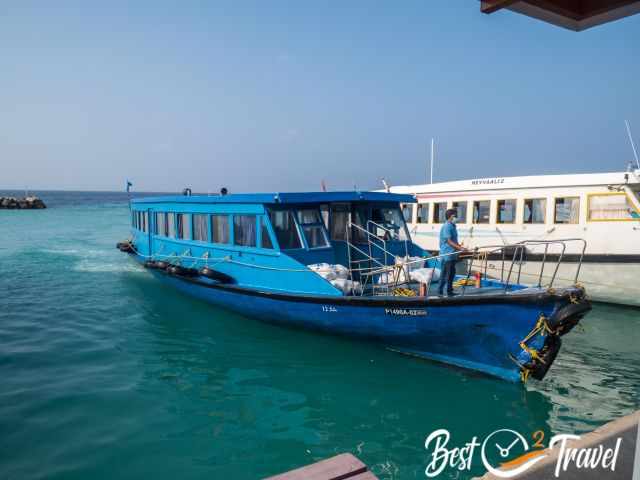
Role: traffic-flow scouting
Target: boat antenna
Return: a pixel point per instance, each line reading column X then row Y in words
column 432, row 159
column 633, row 145
column 386, row 185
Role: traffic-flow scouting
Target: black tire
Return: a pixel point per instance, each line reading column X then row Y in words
column 216, row 275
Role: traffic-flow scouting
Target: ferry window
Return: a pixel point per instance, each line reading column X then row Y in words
column 439, row 212
column 133, row 219
column 145, row 221
column 389, row 224
column 461, row 211
column 535, row 210
column 423, row 213
column 407, row 212
column 220, row 228
column 171, row 225
column 338, row 222
column 567, row 210
column 481, row 211
column 614, row 206
column 161, row 223
column 244, row 230
column 506, row 212
column 285, row 229
column 184, row 226
column 200, row 228
column 265, row 239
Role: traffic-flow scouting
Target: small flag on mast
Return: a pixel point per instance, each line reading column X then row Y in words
column 129, row 185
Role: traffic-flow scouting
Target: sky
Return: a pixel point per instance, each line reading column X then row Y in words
column 280, row 95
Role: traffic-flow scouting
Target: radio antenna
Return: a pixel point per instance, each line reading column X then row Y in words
column 633, row 145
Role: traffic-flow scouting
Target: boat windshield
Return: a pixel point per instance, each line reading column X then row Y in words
column 388, row 224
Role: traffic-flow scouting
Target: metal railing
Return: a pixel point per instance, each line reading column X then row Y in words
column 519, row 255
column 511, row 257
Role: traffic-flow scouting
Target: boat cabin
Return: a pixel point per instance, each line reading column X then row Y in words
column 276, row 241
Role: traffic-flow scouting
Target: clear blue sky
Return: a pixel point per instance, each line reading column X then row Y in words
column 277, row 95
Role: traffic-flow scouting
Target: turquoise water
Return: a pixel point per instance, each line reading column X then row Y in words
column 108, row 374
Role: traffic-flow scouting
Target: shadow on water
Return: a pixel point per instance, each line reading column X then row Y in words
column 291, row 397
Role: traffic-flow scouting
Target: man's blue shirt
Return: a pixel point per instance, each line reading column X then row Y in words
column 448, row 232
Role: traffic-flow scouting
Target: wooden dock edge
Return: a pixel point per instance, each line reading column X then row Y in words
column 341, row 467
column 626, row 428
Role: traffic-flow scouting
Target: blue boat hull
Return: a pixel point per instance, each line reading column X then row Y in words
column 481, row 332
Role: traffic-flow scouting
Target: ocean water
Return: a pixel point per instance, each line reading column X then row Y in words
column 105, row 373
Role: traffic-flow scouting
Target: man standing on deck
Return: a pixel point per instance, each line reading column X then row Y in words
column 449, row 246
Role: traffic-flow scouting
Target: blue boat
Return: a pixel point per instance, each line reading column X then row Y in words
column 344, row 263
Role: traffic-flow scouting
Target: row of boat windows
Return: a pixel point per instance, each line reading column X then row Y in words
column 566, row 210
column 248, row 230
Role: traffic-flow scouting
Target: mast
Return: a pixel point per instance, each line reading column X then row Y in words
column 633, row 145
column 432, row 158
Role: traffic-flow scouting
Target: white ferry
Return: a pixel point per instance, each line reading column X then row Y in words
column 601, row 208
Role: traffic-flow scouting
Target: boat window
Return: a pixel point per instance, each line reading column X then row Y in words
column 324, row 213
column 407, row 212
column 439, row 212
column 200, row 227
column 567, row 210
column 423, row 213
column 219, row 228
column 265, row 238
column 308, row 215
column 359, row 218
column 315, row 236
column 506, row 211
column 133, row 219
column 611, row 206
column 244, row 230
column 338, row 222
column 145, row 221
column 161, row 223
column 481, row 211
column 184, row 226
column 312, row 228
column 285, row 229
column 389, row 224
column 171, row 225
column 461, row 211
column 535, row 210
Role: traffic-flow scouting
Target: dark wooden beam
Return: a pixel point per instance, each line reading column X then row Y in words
column 490, row 6
column 575, row 15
